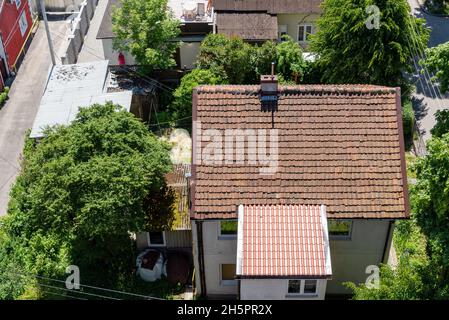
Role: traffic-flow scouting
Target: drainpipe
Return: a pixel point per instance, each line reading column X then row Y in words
column 388, row 241
column 199, row 232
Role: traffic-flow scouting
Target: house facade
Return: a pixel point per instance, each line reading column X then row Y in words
column 16, row 22
column 261, row 20
column 322, row 215
column 196, row 21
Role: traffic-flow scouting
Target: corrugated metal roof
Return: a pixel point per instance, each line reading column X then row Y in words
column 283, row 241
column 70, row 87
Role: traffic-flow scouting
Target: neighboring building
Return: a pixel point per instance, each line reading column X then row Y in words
column 72, row 86
column 261, row 20
column 196, row 18
column 16, row 22
column 325, row 211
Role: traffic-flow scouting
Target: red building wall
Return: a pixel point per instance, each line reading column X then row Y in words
column 12, row 38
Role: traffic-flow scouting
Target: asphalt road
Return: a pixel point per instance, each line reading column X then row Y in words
column 17, row 116
column 428, row 98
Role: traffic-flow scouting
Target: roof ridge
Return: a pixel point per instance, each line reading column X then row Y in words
column 302, row 88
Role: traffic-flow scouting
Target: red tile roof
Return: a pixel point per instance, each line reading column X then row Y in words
column 283, row 241
column 339, row 145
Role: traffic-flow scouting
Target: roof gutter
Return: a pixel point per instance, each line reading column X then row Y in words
column 402, row 153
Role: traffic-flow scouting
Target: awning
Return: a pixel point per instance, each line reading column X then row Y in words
column 283, row 241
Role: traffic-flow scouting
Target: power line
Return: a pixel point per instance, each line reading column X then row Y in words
column 62, row 295
column 88, row 286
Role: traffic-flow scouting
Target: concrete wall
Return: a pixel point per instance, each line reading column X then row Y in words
column 292, row 21
column 112, row 55
column 79, row 28
column 188, row 53
column 275, row 289
column 216, row 252
column 349, row 257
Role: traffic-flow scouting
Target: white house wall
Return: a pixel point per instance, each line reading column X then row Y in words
column 349, row 257
column 292, row 21
column 274, row 289
column 188, row 51
column 217, row 252
column 112, row 55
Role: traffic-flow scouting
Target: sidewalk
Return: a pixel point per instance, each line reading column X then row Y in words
column 17, row 115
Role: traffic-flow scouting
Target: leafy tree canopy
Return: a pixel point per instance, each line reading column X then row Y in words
column 181, row 106
column 442, row 123
column 430, row 198
column 147, row 30
column 80, row 192
column 242, row 63
column 289, row 60
column 437, row 62
column 228, row 56
column 353, row 50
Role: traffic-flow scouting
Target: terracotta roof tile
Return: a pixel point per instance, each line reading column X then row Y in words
column 283, row 241
column 338, row 145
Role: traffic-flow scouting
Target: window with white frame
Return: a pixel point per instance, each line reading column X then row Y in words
column 23, row 23
column 339, row 229
column 156, row 238
column 302, row 287
column 227, row 274
column 228, row 229
column 304, row 32
column 282, row 31
column 18, row 3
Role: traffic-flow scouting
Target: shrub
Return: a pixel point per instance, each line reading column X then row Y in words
column 181, row 106
column 4, row 96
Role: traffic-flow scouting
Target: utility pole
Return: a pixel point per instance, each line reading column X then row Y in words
column 47, row 30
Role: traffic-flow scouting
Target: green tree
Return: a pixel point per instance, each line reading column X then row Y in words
column 147, row 30
column 442, row 123
column 181, row 106
column 229, row 56
column 437, row 6
column 430, row 198
column 437, row 62
column 352, row 49
column 261, row 59
column 80, row 192
column 289, row 60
